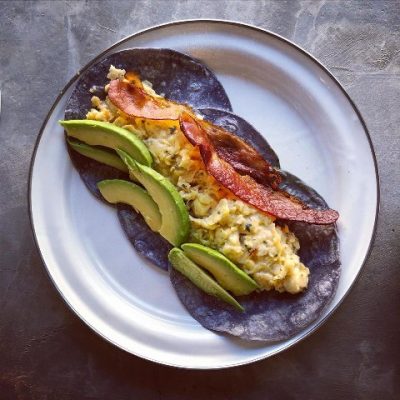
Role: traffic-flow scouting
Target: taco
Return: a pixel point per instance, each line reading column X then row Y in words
column 251, row 250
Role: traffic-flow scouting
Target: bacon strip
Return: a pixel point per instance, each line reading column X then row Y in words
column 136, row 102
column 245, row 159
column 245, row 187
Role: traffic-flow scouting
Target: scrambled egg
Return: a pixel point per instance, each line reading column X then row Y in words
column 220, row 220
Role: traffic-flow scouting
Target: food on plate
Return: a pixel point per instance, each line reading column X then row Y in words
column 135, row 101
column 201, row 279
column 175, row 223
column 108, row 135
column 227, row 274
column 98, row 154
column 246, row 225
column 125, row 192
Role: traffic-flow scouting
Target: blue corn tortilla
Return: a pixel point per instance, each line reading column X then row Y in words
column 272, row 316
column 269, row 316
column 180, row 78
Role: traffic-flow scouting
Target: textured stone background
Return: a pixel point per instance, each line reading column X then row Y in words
column 46, row 352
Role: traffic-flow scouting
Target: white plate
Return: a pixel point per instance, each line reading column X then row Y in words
column 307, row 118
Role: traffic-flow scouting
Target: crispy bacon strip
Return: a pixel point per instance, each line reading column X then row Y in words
column 245, row 187
column 245, row 159
column 136, row 102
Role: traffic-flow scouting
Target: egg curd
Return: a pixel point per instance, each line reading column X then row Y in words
column 248, row 237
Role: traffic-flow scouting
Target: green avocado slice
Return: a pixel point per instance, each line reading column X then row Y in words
column 228, row 275
column 99, row 133
column 120, row 191
column 175, row 224
column 200, row 278
column 100, row 155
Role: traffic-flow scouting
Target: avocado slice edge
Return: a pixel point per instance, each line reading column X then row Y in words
column 200, row 278
column 100, row 133
column 227, row 274
column 121, row 191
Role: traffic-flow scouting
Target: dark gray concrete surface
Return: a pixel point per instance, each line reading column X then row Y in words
column 46, row 352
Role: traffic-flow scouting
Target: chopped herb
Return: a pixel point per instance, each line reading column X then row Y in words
column 172, row 130
column 248, row 226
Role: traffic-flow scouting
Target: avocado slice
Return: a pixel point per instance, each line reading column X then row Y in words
column 120, row 191
column 200, row 278
column 99, row 133
column 175, row 224
column 228, row 275
column 98, row 154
